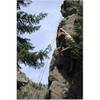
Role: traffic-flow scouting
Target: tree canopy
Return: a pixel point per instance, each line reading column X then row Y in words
column 27, row 24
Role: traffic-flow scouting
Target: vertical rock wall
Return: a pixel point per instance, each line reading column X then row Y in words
column 65, row 74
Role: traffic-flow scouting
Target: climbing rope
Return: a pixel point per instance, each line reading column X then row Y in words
column 42, row 73
column 36, row 93
column 40, row 80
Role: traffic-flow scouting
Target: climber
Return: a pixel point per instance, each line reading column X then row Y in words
column 67, row 35
column 64, row 38
column 63, row 45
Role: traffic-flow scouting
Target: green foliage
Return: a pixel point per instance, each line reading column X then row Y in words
column 19, row 95
column 32, row 91
column 23, row 3
column 26, row 24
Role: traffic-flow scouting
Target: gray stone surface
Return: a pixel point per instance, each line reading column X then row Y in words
column 65, row 83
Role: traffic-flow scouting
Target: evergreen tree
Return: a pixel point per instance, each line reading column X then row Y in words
column 26, row 24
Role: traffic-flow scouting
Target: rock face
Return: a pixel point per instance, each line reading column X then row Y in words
column 26, row 89
column 65, row 74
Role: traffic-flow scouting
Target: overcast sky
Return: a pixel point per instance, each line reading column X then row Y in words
column 45, row 35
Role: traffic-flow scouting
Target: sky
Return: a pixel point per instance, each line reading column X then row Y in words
column 44, row 36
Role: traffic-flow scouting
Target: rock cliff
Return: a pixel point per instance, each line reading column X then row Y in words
column 66, row 68
column 26, row 89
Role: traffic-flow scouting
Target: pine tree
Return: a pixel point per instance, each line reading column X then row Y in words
column 26, row 24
